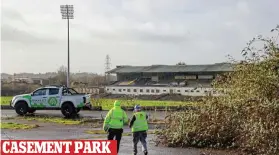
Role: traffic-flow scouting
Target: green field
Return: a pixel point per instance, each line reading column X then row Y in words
column 108, row 103
column 5, row 100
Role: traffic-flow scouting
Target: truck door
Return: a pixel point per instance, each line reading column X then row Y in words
column 53, row 99
column 39, row 98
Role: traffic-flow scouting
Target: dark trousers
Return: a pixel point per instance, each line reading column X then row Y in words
column 140, row 136
column 117, row 134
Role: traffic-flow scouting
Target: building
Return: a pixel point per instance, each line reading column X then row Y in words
column 188, row 80
column 39, row 81
column 22, row 79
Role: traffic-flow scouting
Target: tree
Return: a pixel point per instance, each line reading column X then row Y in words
column 61, row 77
column 181, row 63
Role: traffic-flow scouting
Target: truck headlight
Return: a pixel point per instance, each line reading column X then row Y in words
column 13, row 99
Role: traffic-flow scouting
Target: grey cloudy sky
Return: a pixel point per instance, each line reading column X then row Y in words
column 132, row 32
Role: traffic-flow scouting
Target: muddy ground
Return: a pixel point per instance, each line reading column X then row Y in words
column 60, row 131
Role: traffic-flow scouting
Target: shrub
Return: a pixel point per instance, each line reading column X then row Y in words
column 245, row 117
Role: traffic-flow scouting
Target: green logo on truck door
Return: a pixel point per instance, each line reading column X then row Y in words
column 52, row 101
column 28, row 97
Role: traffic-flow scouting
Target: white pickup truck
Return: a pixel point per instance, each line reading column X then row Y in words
column 69, row 101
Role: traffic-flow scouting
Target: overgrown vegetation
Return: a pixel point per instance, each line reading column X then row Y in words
column 108, row 103
column 17, row 88
column 49, row 119
column 54, row 120
column 246, row 117
column 11, row 125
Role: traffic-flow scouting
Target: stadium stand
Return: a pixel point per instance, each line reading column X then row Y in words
column 187, row 80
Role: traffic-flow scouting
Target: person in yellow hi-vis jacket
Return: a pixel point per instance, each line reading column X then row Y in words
column 114, row 122
column 139, row 125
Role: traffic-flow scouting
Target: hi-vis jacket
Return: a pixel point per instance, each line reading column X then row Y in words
column 116, row 118
column 139, row 122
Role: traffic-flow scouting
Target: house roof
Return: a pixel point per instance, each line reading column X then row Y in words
column 217, row 67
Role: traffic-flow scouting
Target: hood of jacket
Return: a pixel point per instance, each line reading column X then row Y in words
column 117, row 104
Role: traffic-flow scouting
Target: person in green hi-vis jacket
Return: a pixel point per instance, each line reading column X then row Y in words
column 114, row 122
column 139, row 126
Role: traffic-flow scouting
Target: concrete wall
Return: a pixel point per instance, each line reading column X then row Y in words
column 187, row 91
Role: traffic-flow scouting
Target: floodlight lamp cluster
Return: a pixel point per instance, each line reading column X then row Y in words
column 67, row 11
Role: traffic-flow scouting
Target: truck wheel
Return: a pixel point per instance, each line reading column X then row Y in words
column 68, row 110
column 31, row 110
column 21, row 108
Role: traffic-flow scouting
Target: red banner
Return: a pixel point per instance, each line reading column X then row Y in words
column 98, row 147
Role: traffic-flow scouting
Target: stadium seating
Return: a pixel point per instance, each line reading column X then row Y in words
column 125, row 83
column 164, row 83
column 141, row 81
